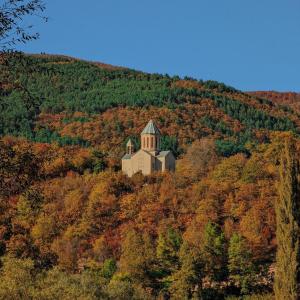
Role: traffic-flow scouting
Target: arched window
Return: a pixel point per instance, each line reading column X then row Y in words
column 152, row 141
column 144, row 142
column 147, row 142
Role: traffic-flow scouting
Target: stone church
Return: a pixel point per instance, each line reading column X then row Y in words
column 149, row 158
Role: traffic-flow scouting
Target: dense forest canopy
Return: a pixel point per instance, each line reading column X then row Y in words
column 72, row 226
column 82, row 94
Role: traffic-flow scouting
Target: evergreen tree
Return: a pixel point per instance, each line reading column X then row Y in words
column 241, row 268
column 214, row 252
column 168, row 246
column 287, row 219
column 186, row 283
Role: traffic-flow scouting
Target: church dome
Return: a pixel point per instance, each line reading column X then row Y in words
column 151, row 128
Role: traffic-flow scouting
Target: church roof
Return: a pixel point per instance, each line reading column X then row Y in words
column 151, row 128
column 160, row 154
column 163, row 153
column 127, row 156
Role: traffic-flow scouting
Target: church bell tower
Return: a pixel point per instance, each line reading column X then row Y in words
column 150, row 138
column 129, row 147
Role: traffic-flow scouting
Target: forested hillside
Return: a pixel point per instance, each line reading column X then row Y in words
column 76, row 102
column 290, row 99
column 72, row 226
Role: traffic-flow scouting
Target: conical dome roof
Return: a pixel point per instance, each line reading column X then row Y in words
column 129, row 143
column 151, row 128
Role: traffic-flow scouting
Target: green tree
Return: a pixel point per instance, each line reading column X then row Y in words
column 16, row 115
column 287, row 219
column 186, row 283
column 168, row 246
column 241, row 268
column 214, row 252
column 98, row 161
column 109, row 268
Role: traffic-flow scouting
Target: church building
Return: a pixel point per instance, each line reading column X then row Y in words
column 149, row 158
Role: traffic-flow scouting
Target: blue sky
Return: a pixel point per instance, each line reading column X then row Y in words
column 251, row 45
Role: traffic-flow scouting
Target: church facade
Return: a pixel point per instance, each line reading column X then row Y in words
column 149, row 158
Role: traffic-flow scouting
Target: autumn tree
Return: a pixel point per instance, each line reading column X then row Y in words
column 67, row 249
column 57, row 284
column 121, row 287
column 287, row 219
column 29, row 206
column 201, row 156
column 19, row 167
column 17, row 278
column 137, row 256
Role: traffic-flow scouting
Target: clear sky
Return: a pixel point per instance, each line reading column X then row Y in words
column 249, row 44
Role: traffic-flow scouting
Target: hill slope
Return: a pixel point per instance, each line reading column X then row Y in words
column 289, row 99
column 72, row 226
column 85, row 103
